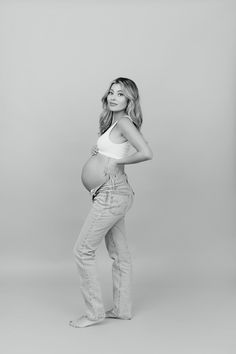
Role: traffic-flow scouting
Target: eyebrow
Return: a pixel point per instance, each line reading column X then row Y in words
column 117, row 90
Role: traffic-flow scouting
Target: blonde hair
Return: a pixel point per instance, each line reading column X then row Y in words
column 133, row 108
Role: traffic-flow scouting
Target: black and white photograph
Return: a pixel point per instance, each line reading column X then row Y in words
column 118, row 176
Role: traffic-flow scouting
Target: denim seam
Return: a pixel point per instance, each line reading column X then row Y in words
column 119, row 288
column 119, row 283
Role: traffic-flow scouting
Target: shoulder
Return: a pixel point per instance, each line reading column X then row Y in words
column 124, row 121
column 126, row 126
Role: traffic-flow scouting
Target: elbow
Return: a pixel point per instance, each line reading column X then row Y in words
column 148, row 155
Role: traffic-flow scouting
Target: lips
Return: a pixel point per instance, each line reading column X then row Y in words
column 113, row 104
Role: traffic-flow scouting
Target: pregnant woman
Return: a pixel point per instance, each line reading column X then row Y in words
column 103, row 175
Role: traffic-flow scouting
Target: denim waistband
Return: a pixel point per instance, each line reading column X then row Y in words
column 117, row 183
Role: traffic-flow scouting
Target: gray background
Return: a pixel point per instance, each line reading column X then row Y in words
column 57, row 60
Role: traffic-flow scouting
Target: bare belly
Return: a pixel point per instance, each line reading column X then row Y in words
column 93, row 172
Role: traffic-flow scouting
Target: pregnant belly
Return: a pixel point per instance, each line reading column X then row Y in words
column 93, row 173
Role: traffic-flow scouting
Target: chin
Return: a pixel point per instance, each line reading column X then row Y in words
column 113, row 109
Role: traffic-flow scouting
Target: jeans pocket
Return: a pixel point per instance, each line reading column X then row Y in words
column 120, row 203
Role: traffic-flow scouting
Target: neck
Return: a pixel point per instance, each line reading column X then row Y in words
column 117, row 115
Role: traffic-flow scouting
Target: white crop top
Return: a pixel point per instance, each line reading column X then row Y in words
column 108, row 148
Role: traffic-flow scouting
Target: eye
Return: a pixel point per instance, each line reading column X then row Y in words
column 121, row 94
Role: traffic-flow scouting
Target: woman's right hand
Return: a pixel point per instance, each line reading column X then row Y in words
column 94, row 150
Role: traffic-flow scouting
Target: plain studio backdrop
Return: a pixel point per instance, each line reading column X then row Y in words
column 57, row 59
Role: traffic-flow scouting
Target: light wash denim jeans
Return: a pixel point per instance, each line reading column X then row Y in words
column 106, row 219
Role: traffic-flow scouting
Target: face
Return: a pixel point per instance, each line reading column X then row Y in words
column 116, row 99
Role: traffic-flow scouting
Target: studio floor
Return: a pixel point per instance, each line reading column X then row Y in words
column 174, row 313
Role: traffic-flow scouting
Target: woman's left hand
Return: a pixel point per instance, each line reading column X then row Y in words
column 94, row 150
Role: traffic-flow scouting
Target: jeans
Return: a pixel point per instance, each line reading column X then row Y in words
column 106, row 219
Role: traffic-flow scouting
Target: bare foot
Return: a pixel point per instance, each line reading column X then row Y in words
column 84, row 321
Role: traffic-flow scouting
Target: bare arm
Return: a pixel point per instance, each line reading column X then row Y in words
column 132, row 134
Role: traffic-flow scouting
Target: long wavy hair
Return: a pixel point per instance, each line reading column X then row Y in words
column 133, row 108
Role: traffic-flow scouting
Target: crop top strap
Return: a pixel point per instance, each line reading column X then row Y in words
column 129, row 118
column 112, row 125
